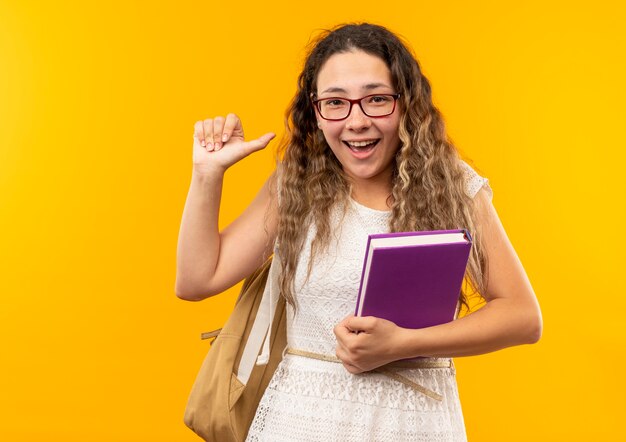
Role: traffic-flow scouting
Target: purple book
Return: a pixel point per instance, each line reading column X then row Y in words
column 413, row 278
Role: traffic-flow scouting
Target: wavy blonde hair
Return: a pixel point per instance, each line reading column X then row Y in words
column 428, row 188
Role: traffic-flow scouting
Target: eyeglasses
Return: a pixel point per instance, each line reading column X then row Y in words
column 376, row 105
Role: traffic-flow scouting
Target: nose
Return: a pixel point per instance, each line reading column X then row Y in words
column 357, row 120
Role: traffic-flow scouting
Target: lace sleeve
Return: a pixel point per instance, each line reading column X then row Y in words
column 474, row 182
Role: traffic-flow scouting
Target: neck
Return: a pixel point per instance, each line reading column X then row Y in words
column 372, row 193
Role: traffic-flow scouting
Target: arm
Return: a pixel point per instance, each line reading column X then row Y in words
column 510, row 317
column 209, row 261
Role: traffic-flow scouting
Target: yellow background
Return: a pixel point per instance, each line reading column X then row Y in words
column 97, row 106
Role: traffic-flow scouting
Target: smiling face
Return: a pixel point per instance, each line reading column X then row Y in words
column 364, row 146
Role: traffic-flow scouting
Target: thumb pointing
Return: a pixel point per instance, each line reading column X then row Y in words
column 259, row 143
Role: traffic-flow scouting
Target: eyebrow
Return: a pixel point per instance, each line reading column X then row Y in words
column 366, row 87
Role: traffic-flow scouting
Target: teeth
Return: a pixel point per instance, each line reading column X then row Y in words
column 360, row 143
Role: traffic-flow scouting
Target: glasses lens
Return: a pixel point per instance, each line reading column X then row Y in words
column 378, row 105
column 334, row 108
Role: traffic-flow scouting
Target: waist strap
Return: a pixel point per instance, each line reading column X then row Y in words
column 387, row 369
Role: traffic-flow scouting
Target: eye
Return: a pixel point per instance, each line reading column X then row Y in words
column 334, row 102
column 379, row 99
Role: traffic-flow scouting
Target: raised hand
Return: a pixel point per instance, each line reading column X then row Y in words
column 219, row 143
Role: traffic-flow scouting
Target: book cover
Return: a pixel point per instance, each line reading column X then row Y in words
column 413, row 278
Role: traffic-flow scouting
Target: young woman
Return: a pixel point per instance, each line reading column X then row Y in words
column 366, row 152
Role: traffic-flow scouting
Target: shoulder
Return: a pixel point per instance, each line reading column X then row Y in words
column 474, row 182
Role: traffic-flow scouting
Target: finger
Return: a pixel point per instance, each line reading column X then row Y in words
column 360, row 323
column 346, row 362
column 346, row 319
column 259, row 143
column 218, row 127
column 196, row 143
column 208, row 133
column 341, row 354
column 232, row 122
column 352, row 369
column 198, row 132
column 348, row 343
column 342, row 332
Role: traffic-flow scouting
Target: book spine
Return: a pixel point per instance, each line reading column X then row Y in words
column 358, row 299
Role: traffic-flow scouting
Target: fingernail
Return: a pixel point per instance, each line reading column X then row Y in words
column 210, row 145
column 203, row 143
column 224, row 137
column 217, row 146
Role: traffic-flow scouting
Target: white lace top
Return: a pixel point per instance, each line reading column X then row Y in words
column 312, row 400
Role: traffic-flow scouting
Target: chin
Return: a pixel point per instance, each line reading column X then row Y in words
column 363, row 173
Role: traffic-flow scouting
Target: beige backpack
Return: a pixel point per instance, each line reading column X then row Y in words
column 233, row 377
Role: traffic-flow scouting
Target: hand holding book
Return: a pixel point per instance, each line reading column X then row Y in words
column 410, row 280
column 366, row 343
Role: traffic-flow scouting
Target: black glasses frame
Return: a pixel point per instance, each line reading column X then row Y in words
column 316, row 103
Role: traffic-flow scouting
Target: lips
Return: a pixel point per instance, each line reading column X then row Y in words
column 361, row 146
